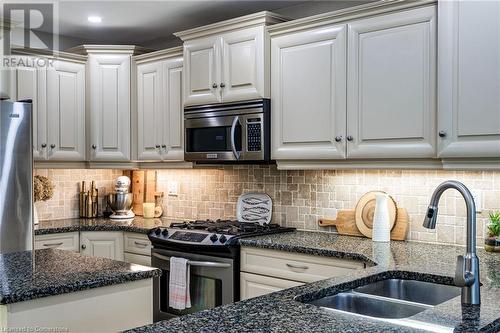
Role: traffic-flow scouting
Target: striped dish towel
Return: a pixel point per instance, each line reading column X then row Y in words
column 178, row 289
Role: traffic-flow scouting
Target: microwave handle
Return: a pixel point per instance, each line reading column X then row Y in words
column 233, row 144
column 196, row 263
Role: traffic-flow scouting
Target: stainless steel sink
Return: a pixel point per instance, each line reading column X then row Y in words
column 373, row 307
column 411, row 290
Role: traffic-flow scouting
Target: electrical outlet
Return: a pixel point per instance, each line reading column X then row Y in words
column 478, row 200
column 173, row 188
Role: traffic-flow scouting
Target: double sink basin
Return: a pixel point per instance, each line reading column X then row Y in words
column 390, row 298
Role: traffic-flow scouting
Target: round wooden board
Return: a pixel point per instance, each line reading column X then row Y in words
column 365, row 209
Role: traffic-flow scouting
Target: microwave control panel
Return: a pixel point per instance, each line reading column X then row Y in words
column 254, row 135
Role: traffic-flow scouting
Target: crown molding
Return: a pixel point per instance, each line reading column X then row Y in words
column 158, row 55
column 50, row 54
column 97, row 48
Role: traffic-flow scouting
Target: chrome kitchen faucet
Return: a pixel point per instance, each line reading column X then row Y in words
column 467, row 270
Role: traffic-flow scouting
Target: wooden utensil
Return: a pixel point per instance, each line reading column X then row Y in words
column 365, row 209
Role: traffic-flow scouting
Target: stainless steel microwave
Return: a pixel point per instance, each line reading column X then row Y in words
column 231, row 132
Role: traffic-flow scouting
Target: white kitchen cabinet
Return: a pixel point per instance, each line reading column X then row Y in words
column 63, row 241
column 469, row 79
column 308, row 99
column 137, row 259
column 109, row 84
column 137, row 243
column 58, row 100
column 66, row 111
column 104, row 244
column 253, row 285
column 391, row 77
column 159, row 106
column 228, row 61
column 202, row 71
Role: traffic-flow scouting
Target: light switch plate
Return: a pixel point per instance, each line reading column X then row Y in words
column 173, row 188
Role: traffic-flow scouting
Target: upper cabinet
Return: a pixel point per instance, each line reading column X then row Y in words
column 57, row 92
column 109, row 96
column 469, row 79
column 357, row 89
column 159, row 106
column 391, row 75
column 308, row 91
column 228, row 61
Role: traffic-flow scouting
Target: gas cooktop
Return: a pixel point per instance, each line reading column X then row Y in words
column 211, row 232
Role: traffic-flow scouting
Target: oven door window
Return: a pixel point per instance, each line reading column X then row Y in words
column 206, row 293
column 212, row 139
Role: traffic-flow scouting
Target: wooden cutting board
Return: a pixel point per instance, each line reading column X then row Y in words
column 346, row 224
column 143, row 189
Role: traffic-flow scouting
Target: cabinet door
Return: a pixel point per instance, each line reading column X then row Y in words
column 62, row 241
column 253, row 285
column 66, row 111
column 173, row 121
column 202, row 77
column 105, row 244
column 243, row 72
column 109, row 107
column 391, row 86
column 469, row 79
column 150, row 110
column 308, row 91
column 31, row 83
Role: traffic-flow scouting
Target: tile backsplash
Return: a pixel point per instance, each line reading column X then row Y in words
column 300, row 198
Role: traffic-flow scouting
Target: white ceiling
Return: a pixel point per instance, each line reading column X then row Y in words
column 151, row 23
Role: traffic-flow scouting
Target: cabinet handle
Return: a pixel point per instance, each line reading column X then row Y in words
column 140, row 244
column 157, row 146
column 297, row 266
column 84, row 246
column 222, row 85
column 53, row 244
column 214, row 85
column 350, row 138
column 52, row 146
column 94, row 147
column 44, row 145
column 164, row 146
column 338, row 138
column 442, row 134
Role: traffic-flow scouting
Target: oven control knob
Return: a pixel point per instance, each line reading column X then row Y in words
column 164, row 232
column 222, row 239
column 157, row 231
column 214, row 238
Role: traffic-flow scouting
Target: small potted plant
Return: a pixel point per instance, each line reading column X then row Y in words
column 492, row 242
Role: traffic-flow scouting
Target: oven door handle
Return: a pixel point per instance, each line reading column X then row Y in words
column 196, row 263
column 233, row 132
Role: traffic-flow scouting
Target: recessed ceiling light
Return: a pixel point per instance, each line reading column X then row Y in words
column 94, row 19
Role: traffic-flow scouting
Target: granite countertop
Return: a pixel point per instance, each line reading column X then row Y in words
column 283, row 312
column 34, row 274
column 138, row 225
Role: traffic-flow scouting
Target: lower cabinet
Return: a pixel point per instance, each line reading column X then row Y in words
column 138, row 259
column 266, row 271
column 253, row 285
column 106, row 244
column 65, row 241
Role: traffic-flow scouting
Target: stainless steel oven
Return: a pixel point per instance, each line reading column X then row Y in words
column 228, row 132
column 212, row 282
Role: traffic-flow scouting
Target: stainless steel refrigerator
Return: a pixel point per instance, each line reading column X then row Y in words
column 16, row 177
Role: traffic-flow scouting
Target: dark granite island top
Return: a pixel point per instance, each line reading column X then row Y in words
column 34, row 274
column 283, row 312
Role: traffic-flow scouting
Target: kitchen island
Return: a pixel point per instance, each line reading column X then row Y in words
column 60, row 289
column 287, row 311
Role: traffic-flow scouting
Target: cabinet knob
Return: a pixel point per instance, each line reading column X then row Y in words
column 164, row 146
column 338, row 138
column 52, row 146
column 350, row 138
column 442, row 134
column 44, row 145
column 157, row 146
column 214, row 85
column 222, row 85
column 94, row 147
column 84, row 246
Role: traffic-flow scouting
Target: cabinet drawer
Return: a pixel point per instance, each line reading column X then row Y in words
column 293, row 266
column 137, row 243
column 137, row 259
column 64, row 241
column 253, row 285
